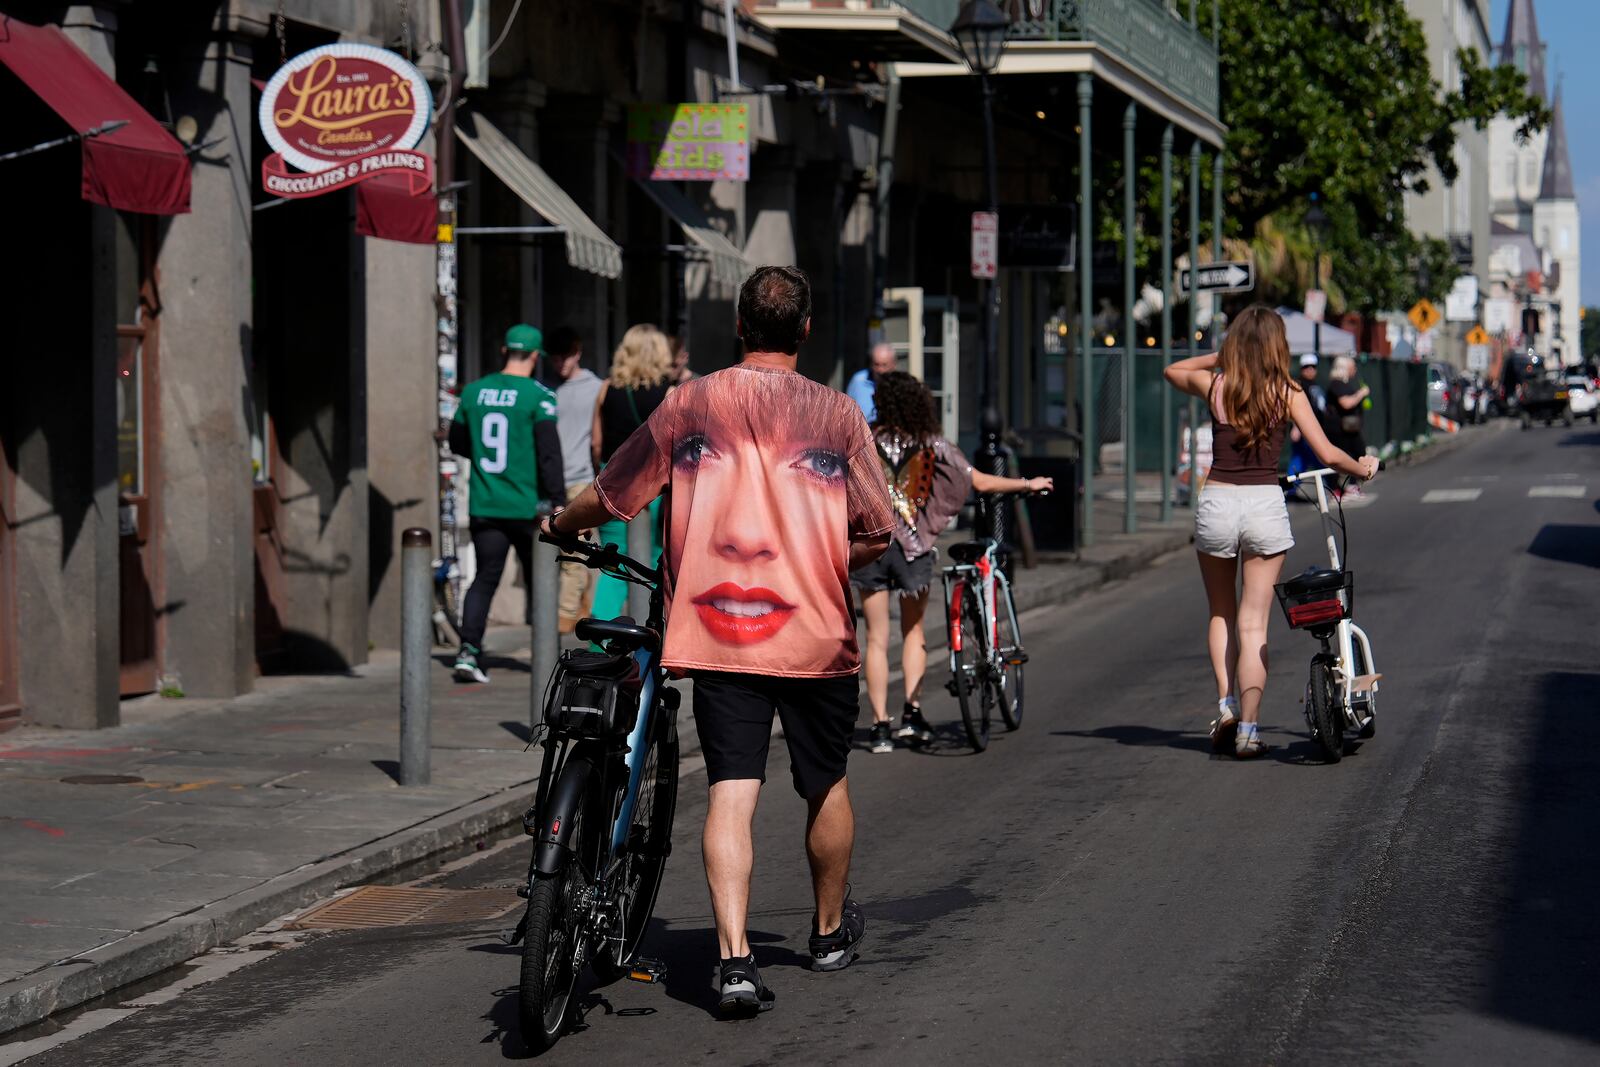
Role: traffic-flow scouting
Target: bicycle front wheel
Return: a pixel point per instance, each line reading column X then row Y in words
column 973, row 692
column 1009, row 654
column 649, row 842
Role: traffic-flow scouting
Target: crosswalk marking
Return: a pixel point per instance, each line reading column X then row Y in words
column 1571, row 492
column 1450, row 496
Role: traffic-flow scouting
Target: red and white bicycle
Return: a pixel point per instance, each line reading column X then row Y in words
column 986, row 653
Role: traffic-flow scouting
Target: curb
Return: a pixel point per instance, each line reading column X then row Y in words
column 35, row 997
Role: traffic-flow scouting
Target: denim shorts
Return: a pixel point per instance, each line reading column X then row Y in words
column 1242, row 518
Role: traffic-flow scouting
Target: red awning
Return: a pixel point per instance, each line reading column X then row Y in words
column 385, row 208
column 139, row 167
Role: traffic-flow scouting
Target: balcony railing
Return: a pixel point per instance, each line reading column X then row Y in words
column 1151, row 36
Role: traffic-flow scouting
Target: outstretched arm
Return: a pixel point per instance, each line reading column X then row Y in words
column 1192, row 375
column 1305, row 420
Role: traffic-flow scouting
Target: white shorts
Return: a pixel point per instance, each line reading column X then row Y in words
column 1235, row 518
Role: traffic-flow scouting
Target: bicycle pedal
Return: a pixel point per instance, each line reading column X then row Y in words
column 647, row 971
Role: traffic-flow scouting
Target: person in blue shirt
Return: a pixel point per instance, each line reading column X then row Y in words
column 864, row 382
column 1301, row 458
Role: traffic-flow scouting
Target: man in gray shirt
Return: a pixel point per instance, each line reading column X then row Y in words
column 576, row 388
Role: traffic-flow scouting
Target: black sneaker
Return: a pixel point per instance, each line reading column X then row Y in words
column 913, row 727
column 743, row 991
column 881, row 741
column 838, row 950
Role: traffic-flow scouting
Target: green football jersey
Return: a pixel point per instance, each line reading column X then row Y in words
column 499, row 412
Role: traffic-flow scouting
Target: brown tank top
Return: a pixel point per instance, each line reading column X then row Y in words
column 1231, row 463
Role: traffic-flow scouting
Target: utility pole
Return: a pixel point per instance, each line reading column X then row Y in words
column 445, row 272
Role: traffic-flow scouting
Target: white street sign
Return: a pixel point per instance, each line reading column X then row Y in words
column 1316, row 304
column 1461, row 302
column 1497, row 315
column 1478, row 357
column 985, row 244
column 1225, row 277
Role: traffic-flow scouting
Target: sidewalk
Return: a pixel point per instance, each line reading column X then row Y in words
column 134, row 849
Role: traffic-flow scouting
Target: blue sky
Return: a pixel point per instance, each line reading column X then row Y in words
column 1571, row 32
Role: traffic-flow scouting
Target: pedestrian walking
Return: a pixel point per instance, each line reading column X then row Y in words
column 1241, row 522
column 506, row 423
column 1347, row 409
column 862, row 383
column 1301, row 458
column 681, row 372
column 577, row 389
column 929, row 480
column 774, row 495
column 641, row 375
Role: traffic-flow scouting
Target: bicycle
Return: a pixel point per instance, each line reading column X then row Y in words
column 986, row 653
column 602, row 817
column 1342, row 691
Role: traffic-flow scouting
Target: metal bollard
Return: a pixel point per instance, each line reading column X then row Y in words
column 640, row 544
column 545, row 587
column 416, row 655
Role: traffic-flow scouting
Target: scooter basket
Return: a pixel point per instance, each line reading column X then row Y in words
column 593, row 695
column 1317, row 598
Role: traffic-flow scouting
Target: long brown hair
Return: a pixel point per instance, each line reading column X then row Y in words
column 1254, row 364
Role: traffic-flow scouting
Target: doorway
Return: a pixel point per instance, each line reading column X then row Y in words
column 138, row 391
column 10, row 695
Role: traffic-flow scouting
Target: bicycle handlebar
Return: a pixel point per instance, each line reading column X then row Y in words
column 601, row 557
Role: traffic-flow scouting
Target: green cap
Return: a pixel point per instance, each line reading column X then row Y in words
column 524, row 338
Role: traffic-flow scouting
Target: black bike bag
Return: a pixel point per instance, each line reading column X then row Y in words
column 594, row 695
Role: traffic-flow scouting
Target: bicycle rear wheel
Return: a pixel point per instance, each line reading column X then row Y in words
column 649, row 843
column 448, row 596
column 1326, row 715
column 1008, row 680
column 973, row 692
column 549, row 948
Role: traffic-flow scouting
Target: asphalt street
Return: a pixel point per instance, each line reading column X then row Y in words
column 1097, row 887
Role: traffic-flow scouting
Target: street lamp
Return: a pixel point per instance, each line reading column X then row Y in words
column 980, row 32
column 1317, row 223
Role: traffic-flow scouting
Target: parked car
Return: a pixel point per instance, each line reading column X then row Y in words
column 1583, row 398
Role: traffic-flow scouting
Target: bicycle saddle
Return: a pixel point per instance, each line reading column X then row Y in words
column 968, row 551
column 1315, row 580
column 622, row 631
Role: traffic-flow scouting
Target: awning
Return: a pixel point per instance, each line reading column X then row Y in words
column 137, row 167
column 728, row 264
column 881, row 32
column 386, row 208
column 588, row 247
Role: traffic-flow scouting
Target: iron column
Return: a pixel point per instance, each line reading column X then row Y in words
column 1088, row 450
column 1194, row 312
column 1130, row 517
column 1166, row 320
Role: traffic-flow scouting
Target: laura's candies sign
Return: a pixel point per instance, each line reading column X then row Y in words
column 689, row 142
column 341, row 114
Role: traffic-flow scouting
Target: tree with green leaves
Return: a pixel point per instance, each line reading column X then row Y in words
column 1337, row 98
column 1333, row 97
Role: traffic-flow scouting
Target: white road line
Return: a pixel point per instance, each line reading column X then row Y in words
column 1450, row 496
column 1571, row 492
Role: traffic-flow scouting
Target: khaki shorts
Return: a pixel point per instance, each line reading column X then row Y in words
column 1242, row 518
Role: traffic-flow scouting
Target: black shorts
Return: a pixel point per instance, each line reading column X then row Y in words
column 733, row 716
column 894, row 572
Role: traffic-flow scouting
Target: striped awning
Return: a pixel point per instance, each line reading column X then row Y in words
column 588, row 247
column 728, row 264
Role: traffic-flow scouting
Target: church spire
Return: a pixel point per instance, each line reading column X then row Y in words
column 1556, row 183
column 1522, row 48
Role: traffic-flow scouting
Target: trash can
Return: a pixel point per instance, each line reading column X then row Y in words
column 1053, row 518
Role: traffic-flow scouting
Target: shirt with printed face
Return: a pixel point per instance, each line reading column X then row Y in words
column 769, row 477
column 499, row 412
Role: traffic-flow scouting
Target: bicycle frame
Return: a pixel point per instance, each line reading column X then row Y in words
column 1346, row 634
column 992, row 582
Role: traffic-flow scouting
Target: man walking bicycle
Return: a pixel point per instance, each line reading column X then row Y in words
column 773, row 495
column 506, row 423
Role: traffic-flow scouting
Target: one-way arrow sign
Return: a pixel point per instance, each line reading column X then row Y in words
column 1227, row 277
